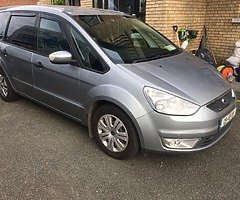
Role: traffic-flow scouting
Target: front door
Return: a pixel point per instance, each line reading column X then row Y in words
column 56, row 84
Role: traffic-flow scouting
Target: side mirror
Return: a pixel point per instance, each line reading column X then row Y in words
column 61, row 57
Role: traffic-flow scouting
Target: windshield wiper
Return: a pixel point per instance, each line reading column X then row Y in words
column 153, row 58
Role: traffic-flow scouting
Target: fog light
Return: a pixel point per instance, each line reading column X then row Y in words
column 179, row 143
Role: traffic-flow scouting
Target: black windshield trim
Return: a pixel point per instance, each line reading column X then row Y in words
column 157, row 57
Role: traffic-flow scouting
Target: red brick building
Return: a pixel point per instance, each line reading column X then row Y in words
column 17, row 2
column 23, row 2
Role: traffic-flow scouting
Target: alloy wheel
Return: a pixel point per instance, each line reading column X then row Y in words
column 113, row 133
column 3, row 86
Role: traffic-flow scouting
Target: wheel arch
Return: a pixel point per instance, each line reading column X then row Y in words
column 99, row 103
column 4, row 69
column 2, row 64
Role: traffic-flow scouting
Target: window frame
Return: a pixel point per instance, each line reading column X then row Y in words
column 74, row 2
column 62, row 28
column 6, row 26
column 22, row 14
column 135, row 7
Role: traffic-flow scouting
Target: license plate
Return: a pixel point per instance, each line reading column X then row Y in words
column 228, row 118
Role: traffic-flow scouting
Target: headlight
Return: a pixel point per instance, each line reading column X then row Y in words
column 169, row 104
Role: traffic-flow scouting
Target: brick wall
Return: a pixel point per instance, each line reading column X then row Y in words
column 216, row 15
column 222, row 33
column 86, row 3
column 44, row 2
column 17, row 2
column 163, row 14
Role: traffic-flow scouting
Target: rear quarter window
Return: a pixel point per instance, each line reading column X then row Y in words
column 4, row 17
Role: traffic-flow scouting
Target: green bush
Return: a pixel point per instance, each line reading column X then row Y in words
column 58, row 2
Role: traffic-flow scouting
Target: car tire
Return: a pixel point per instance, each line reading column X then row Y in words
column 6, row 91
column 114, row 132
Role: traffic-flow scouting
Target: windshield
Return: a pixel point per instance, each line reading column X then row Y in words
column 125, row 39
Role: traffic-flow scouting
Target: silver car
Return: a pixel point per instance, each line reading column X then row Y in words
column 129, row 84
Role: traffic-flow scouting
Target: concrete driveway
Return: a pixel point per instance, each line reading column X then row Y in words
column 46, row 156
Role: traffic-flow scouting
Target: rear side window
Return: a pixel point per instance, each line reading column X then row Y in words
column 51, row 38
column 3, row 23
column 21, row 31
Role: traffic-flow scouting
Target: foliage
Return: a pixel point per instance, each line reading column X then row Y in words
column 58, row 2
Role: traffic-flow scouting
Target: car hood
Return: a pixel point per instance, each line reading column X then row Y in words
column 183, row 75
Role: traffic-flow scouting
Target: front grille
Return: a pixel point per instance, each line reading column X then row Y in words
column 221, row 102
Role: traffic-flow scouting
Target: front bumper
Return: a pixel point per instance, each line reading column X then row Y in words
column 205, row 125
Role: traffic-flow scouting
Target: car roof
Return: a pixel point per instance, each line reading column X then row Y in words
column 71, row 10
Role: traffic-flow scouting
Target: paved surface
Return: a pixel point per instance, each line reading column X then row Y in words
column 46, row 156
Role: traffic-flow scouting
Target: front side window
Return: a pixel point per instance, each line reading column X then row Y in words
column 51, row 38
column 21, row 31
column 125, row 39
column 3, row 23
column 89, row 59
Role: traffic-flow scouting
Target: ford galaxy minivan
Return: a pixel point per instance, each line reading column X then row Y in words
column 129, row 84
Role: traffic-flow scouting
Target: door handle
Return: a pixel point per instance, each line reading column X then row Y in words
column 39, row 65
column 4, row 52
